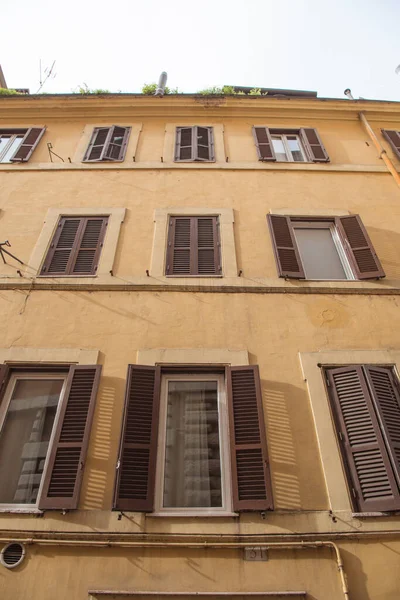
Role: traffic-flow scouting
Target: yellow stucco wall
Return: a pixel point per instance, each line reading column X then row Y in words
column 270, row 323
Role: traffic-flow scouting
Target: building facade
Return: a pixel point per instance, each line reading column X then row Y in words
column 199, row 354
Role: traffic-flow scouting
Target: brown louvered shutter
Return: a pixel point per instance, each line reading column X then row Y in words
column 4, row 373
column 393, row 137
column 385, row 395
column 359, row 248
column 193, row 246
column 251, row 481
column 98, row 144
column 76, row 247
column 118, row 141
column 184, row 150
column 314, row 145
column 136, row 467
column 28, row 144
column 265, row 149
column 67, row 455
column 372, row 483
column 285, row 248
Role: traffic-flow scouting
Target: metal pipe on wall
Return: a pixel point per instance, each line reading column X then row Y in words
column 382, row 152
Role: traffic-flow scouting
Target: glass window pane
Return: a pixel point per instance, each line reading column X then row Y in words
column 25, row 437
column 3, row 143
column 295, row 148
column 13, row 147
column 192, row 474
column 319, row 254
column 279, row 149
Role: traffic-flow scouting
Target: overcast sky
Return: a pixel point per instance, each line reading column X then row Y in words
column 295, row 44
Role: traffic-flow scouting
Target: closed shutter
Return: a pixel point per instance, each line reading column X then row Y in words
column 359, row 248
column 372, row 482
column 265, row 149
column 194, row 144
column 314, row 145
column 285, row 248
column 135, row 480
column 193, row 246
column 385, row 395
column 64, row 472
column 76, row 247
column 118, row 141
column 393, row 137
column 251, row 482
column 28, row 144
column 98, row 144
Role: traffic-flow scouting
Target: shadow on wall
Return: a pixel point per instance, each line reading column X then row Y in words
column 388, row 249
column 97, row 488
column 293, row 452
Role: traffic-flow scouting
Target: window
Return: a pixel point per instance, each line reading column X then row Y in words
column 193, row 246
column 323, row 248
column 107, row 144
column 365, row 403
column 393, row 137
column 176, row 441
column 76, row 247
column 17, row 145
column 194, row 144
column 45, row 418
column 289, row 145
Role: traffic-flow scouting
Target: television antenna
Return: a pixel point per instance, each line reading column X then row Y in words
column 47, row 73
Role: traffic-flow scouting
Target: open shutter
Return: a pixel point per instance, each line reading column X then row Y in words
column 285, row 248
column 118, row 141
column 59, row 256
column 359, row 247
column 135, row 480
column 184, row 150
column 4, row 373
column 90, row 243
column 28, row 144
column 393, row 137
column 204, row 144
column 208, row 246
column 372, row 482
column 98, row 144
column 64, row 472
column 385, row 395
column 314, row 145
column 251, row 482
column 265, row 149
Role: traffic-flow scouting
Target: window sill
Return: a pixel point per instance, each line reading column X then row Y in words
column 197, row 276
column 21, row 511
column 61, row 276
column 221, row 515
column 372, row 515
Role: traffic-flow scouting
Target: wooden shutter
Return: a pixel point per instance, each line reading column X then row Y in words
column 184, row 150
column 98, row 144
column 76, row 247
column 193, row 246
column 64, row 472
column 386, row 398
column 136, row 467
column 118, row 141
column 4, row 373
column 393, row 137
column 28, row 144
column 265, row 149
column 251, row 482
column 359, row 248
column 285, row 248
column 204, row 144
column 372, row 482
column 314, row 145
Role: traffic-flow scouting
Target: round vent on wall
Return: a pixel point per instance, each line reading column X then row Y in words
column 12, row 555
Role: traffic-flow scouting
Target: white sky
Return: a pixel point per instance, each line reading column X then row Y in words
column 318, row 45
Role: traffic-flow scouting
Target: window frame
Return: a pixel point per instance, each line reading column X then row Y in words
column 283, row 137
column 195, row 147
column 325, row 223
column 13, row 134
column 224, row 446
column 4, row 405
column 104, row 158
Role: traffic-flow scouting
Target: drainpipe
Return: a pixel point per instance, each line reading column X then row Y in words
column 382, row 152
column 220, row 545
